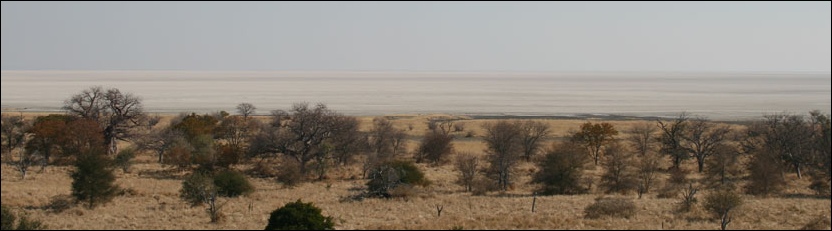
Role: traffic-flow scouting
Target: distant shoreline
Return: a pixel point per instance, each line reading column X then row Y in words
column 474, row 116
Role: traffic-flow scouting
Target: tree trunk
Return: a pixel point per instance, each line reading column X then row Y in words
column 799, row 174
column 701, row 163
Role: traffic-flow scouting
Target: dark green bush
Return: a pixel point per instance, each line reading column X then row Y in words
column 232, row 184
column 93, row 179
column 124, row 159
column 299, row 216
column 561, row 170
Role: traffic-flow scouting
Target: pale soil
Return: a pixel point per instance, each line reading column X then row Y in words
column 156, row 205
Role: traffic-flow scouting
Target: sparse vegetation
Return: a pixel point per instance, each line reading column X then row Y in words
column 10, row 221
column 610, row 207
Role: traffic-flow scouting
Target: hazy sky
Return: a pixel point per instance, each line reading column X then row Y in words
column 417, row 36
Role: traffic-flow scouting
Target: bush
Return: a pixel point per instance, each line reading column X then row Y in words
column 299, row 216
column 765, row 176
column 93, row 180
column 59, row 203
column 197, row 187
column 721, row 203
column 8, row 219
column 123, row 159
column 622, row 208
column 232, row 184
column 435, row 147
column 562, row 170
column 289, row 173
column 388, row 176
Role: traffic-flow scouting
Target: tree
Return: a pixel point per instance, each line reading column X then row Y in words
column 246, row 109
column 788, row 136
column 561, row 170
column 647, row 167
column 347, row 140
column 822, row 149
column 671, row 139
column 620, row 174
column 434, row 147
column 642, row 137
column 93, row 179
column 47, row 132
column 198, row 189
column 116, row 112
column 721, row 203
column 723, row 168
column 504, row 143
column 385, row 143
column 13, row 130
column 299, row 216
column 467, row 165
column 594, row 136
column 532, row 134
column 701, row 139
column 765, row 174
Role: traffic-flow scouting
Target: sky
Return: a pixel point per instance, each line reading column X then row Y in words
column 417, row 36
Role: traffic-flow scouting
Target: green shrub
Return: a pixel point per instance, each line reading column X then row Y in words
column 197, row 187
column 610, row 207
column 388, row 176
column 232, row 184
column 299, row 216
column 124, row 159
column 7, row 218
column 721, row 203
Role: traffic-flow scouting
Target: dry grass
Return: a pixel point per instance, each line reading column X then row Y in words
column 155, row 202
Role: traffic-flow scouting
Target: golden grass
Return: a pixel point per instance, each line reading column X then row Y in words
column 156, row 204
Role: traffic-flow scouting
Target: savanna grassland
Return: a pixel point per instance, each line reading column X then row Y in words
column 150, row 199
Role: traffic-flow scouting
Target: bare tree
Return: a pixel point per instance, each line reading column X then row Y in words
column 671, row 139
column 620, row 175
column 504, row 150
column 246, row 109
column 307, row 129
column 347, row 140
column 647, row 167
column 533, row 132
column 26, row 160
column 444, row 125
column 701, row 139
column 117, row 113
column 642, row 137
column 594, row 136
column 467, row 164
column 385, row 142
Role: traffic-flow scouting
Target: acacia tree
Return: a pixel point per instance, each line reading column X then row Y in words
column 724, row 167
column 701, row 139
column 347, row 140
column 384, row 141
column 116, row 112
column 246, row 109
column 504, row 143
column 532, row 134
column 671, row 139
column 594, row 136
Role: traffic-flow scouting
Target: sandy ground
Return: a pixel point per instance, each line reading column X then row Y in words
column 155, row 203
